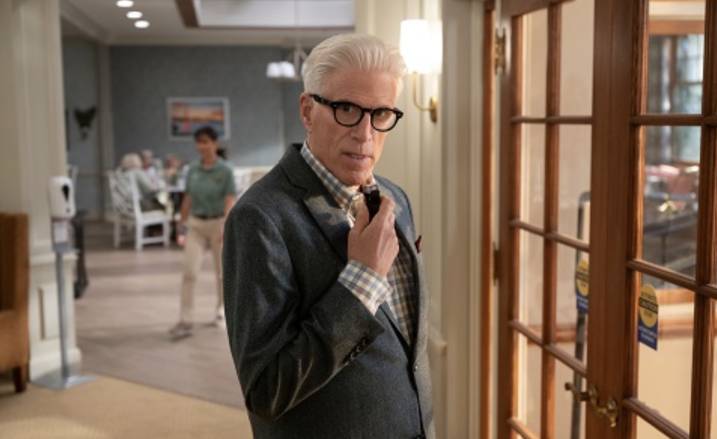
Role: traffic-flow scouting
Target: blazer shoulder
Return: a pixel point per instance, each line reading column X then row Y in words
column 272, row 195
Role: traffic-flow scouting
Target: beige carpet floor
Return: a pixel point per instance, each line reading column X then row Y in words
column 124, row 316
column 109, row 408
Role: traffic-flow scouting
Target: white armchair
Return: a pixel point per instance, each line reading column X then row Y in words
column 127, row 212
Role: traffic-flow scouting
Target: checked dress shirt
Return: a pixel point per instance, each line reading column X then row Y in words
column 367, row 285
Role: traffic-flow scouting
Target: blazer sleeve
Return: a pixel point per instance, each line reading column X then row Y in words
column 283, row 357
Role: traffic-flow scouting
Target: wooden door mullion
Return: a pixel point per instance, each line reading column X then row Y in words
column 611, row 339
column 550, row 225
column 702, row 368
column 511, row 105
column 637, row 147
column 703, row 343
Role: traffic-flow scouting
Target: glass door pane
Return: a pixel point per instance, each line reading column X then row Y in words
column 665, row 370
column 576, row 67
column 535, row 61
column 574, row 168
column 570, row 415
column 529, row 395
column 672, row 170
column 572, row 302
column 533, row 174
column 675, row 56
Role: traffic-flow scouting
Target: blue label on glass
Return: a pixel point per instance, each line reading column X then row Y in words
column 647, row 321
column 647, row 335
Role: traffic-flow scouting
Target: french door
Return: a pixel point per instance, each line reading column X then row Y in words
column 608, row 212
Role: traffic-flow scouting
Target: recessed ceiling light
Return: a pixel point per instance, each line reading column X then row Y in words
column 125, row 3
column 133, row 15
column 141, row 24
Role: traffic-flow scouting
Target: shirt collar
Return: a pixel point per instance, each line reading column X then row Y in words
column 216, row 163
column 344, row 195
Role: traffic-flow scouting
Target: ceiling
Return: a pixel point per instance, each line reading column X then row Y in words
column 235, row 22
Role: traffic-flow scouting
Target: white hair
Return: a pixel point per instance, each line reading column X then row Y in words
column 131, row 161
column 351, row 51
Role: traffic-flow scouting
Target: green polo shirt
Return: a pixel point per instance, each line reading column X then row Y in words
column 208, row 187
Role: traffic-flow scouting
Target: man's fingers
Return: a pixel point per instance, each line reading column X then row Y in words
column 387, row 207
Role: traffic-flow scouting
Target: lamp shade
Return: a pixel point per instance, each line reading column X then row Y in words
column 422, row 45
column 273, row 70
column 287, row 69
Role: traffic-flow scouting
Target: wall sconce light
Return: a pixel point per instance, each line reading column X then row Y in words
column 422, row 50
column 291, row 70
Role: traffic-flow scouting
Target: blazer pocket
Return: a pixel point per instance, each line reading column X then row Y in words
column 417, row 244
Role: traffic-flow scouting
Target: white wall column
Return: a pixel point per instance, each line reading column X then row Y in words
column 462, row 130
column 33, row 149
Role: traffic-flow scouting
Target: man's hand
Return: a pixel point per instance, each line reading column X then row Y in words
column 375, row 244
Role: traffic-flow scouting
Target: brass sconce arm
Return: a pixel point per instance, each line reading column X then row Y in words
column 432, row 107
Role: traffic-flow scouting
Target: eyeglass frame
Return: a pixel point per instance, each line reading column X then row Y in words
column 335, row 104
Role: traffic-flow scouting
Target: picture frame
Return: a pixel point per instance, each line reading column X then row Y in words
column 186, row 114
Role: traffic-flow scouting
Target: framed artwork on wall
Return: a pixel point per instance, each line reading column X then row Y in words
column 186, row 115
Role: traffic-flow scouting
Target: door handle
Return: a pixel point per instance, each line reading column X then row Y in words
column 609, row 410
column 581, row 396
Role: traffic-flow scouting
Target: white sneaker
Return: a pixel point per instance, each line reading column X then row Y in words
column 181, row 330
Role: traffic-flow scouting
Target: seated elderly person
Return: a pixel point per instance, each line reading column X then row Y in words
column 172, row 169
column 131, row 165
column 152, row 167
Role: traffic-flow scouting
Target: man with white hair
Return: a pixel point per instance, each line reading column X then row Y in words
column 326, row 305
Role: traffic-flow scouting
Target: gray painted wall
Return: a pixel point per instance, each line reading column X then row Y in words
column 293, row 129
column 79, row 60
column 263, row 116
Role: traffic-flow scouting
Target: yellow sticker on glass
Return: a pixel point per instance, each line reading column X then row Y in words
column 582, row 277
column 648, row 316
column 582, row 285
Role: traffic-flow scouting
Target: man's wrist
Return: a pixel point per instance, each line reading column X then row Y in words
column 366, row 284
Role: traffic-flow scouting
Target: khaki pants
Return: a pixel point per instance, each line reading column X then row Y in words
column 202, row 233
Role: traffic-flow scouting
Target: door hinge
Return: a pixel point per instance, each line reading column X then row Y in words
column 496, row 263
column 499, row 53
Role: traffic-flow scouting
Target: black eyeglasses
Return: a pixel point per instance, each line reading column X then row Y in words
column 349, row 114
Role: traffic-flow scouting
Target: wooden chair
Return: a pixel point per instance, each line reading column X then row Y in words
column 14, row 285
column 128, row 213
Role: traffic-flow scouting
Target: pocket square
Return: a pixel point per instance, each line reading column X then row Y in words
column 418, row 243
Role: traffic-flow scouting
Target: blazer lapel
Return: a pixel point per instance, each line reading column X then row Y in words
column 420, row 292
column 422, row 314
column 331, row 220
column 403, row 230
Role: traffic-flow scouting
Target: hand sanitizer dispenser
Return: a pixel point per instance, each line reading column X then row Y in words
column 62, row 209
column 62, row 198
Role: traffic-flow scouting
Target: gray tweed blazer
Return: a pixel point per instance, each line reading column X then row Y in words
column 312, row 361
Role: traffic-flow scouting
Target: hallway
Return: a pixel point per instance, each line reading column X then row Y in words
column 124, row 317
